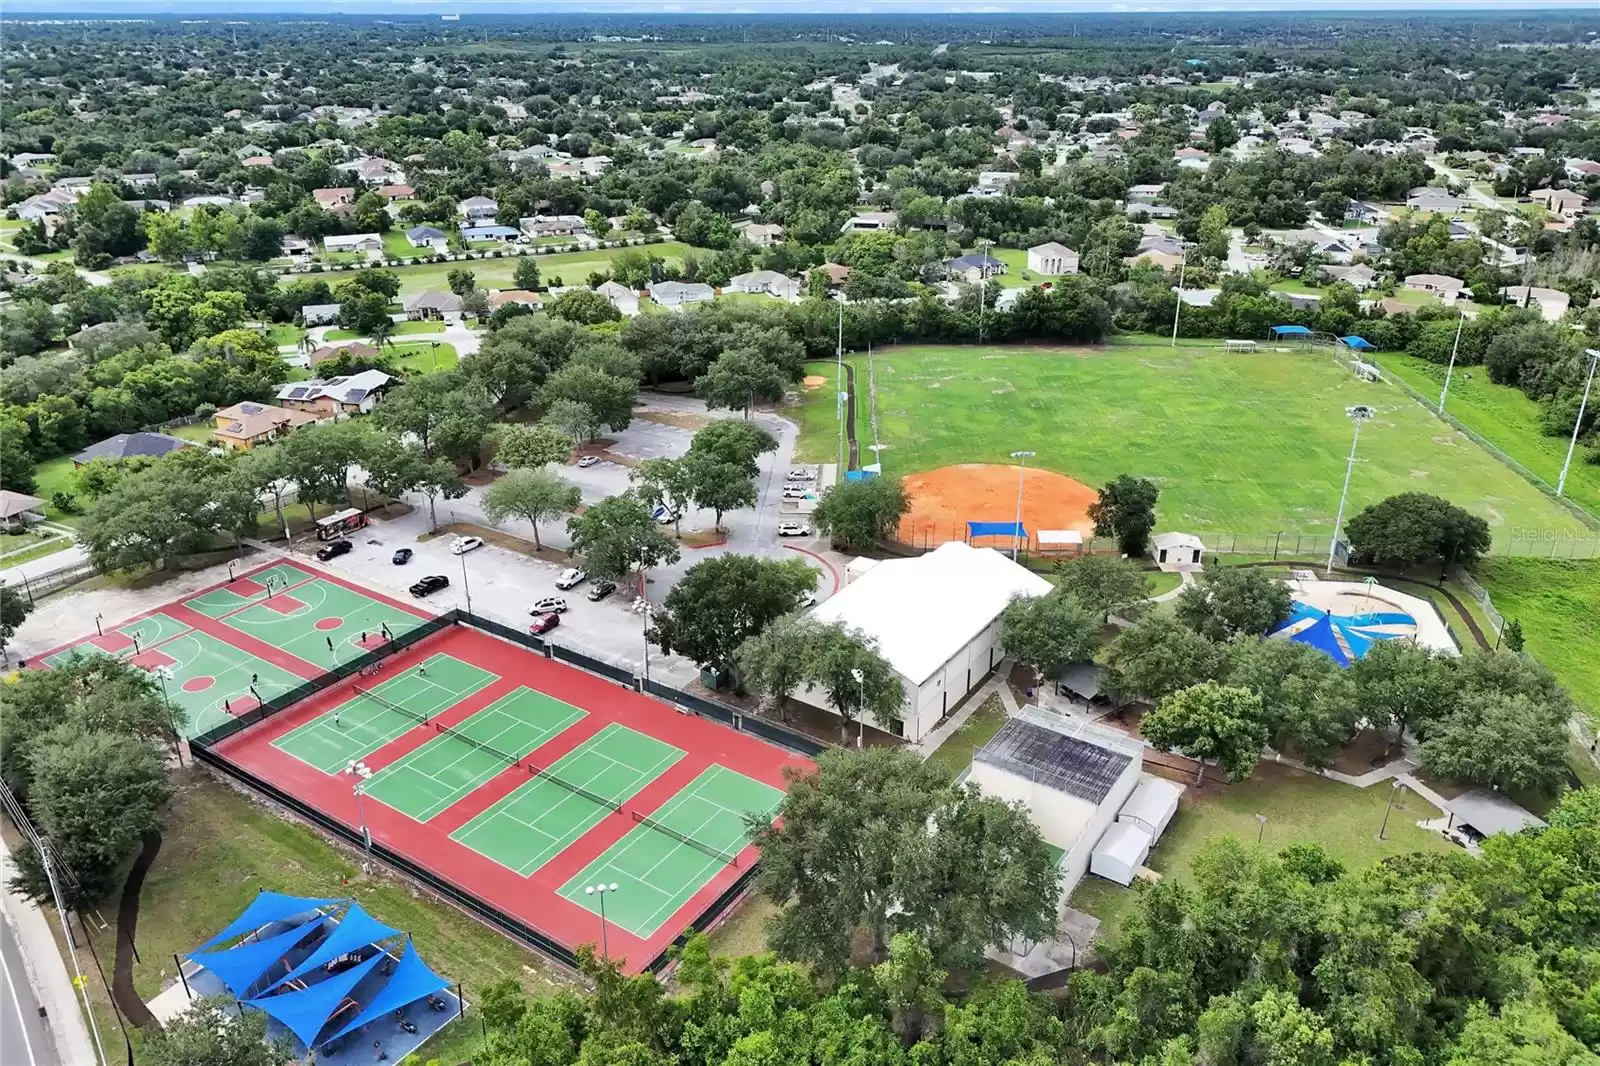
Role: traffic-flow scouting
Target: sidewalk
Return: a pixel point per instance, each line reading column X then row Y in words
column 47, row 971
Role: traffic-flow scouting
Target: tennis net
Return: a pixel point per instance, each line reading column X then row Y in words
column 468, row 738
column 391, row 704
column 715, row 853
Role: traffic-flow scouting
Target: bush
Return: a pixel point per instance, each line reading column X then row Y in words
column 66, row 503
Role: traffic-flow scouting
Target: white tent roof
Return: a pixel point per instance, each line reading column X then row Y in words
column 1152, row 805
column 1120, row 852
column 924, row 610
column 1059, row 536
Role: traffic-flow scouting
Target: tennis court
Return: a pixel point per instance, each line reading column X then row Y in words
column 670, row 854
column 547, row 815
column 372, row 717
column 317, row 621
column 431, row 778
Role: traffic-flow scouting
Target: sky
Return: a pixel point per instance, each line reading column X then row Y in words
column 834, row 7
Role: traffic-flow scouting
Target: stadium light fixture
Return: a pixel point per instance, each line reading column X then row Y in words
column 601, row 890
column 362, row 773
column 1577, row 424
column 1357, row 413
column 861, row 694
column 1451, row 369
column 1022, row 465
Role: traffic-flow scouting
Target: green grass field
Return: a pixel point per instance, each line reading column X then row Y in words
column 1558, row 605
column 1247, row 443
column 423, row 357
column 573, row 268
column 1505, row 417
column 401, row 329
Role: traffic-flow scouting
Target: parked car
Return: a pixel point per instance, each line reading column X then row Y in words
column 430, row 584
column 401, row 557
column 548, row 605
column 662, row 516
column 808, row 598
column 601, row 589
column 545, row 623
column 571, row 579
column 588, row 461
column 800, row 474
column 795, row 493
column 793, row 529
column 462, row 545
column 334, row 550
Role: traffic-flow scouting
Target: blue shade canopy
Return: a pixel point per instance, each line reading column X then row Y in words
column 1320, row 635
column 996, row 529
column 238, row 968
column 356, row 930
column 410, row 981
column 305, row 1011
column 266, row 908
column 1360, row 344
column 1290, row 331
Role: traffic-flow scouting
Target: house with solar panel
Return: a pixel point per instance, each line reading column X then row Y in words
column 352, row 394
column 1084, row 787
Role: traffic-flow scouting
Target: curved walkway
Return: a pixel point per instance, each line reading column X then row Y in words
column 132, row 1004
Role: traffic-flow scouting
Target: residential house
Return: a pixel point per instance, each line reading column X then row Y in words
column 1139, row 211
column 554, row 226
column 1365, row 213
column 374, row 170
column 353, row 242
column 488, row 233
column 1459, row 232
column 45, row 207
column 18, row 509
column 32, row 159
column 622, row 298
column 350, row 395
column 679, row 293
column 1579, row 169
column 973, row 268
column 211, row 200
column 767, row 281
column 1333, row 249
column 478, row 209
column 837, row 274
column 1433, row 200
column 256, row 161
column 139, row 181
column 1552, row 303
column 396, row 192
column 1443, row 286
column 428, row 237
column 293, row 246
column 432, row 304
column 78, row 187
column 760, row 234
column 160, row 207
column 245, row 425
column 249, row 150
column 518, row 297
column 331, row 198
column 1052, row 258
column 1192, row 158
column 869, row 222
column 1360, row 276
column 318, row 314
column 1147, row 194
column 131, row 446
column 354, row 349
column 1564, row 202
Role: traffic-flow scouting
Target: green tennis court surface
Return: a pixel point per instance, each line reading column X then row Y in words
column 656, row 873
column 368, row 720
column 247, row 590
column 431, row 778
column 541, row 819
column 125, row 640
column 321, row 622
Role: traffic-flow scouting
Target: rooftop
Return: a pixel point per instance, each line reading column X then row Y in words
column 1071, row 757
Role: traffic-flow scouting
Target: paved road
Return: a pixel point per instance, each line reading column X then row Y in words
column 34, row 569
column 24, row 1038
column 93, row 277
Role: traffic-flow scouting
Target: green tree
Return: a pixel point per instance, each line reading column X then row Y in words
column 1106, row 584
column 1209, row 721
column 572, row 417
column 912, row 984
column 525, row 275
column 855, row 677
column 1310, row 702
column 182, row 505
column 611, row 399
column 858, row 514
column 1402, row 685
column 668, row 483
column 531, row 447
column 733, row 441
column 1221, row 134
column 1126, row 510
column 1234, row 601
column 776, row 659
column 446, row 413
column 1513, row 635
column 1159, row 656
column 531, row 495
column 722, row 603
column 583, row 306
column 617, row 539
column 319, row 458
column 461, row 281
column 361, row 310
column 717, row 486
column 1048, row 632
column 210, row 1034
column 16, row 456
column 738, row 378
column 1507, row 740
column 1413, row 528
column 14, row 610
column 1524, row 1034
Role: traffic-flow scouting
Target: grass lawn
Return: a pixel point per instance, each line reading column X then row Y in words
column 397, row 246
column 199, row 433
column 1162, row 581
column 401, row 329
column 955, row 754
column 1505, row 417
column 53, row 476
column 573, row 268
column 219, row 849
column 422, row 357
column 283, row 333
column 1299, row 807
column 1558, row 605
column 18, row 551
column 1236, row 442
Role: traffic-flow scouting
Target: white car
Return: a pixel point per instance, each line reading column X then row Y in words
column 808, row 598
column 793, row 529
column 571, row 579
column 796, row 493
column 801, row 475
column 462, row 545
column 549, row 605
column 588, row 461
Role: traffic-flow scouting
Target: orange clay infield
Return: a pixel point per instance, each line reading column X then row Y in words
column 814, row 381
column 943, row 501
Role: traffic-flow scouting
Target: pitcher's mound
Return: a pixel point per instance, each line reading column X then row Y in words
column 943, row 501
column 814, row 381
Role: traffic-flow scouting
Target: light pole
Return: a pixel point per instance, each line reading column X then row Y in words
column 362, row 773
column 1394, row 790
column 1261, row 827
column 1183, row 268
column 844, row 396
column 983, row 284
column 1460, row 325
column 646, row 634
column 601, row 890
column 1561, row 482
column 1022, row 466
column 466, row 586
column 861, row 705
column 1358, row 414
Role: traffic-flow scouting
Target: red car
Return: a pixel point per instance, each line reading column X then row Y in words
column 545, row 623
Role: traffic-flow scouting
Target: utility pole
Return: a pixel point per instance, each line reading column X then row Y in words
column 1451, row 369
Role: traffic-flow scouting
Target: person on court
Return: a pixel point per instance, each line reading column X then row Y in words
column 330, row 643
column 422, row 670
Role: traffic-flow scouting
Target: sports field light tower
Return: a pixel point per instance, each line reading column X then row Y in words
column 1022, row 465
column 1357, row 413
column 1583, row 405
